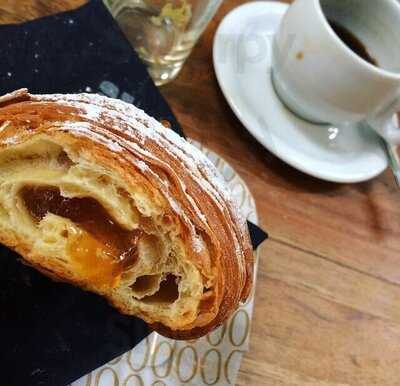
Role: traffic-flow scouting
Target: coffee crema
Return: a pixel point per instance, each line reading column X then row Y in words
column 352, row 42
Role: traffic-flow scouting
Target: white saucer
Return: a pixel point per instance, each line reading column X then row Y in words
column 242, row 61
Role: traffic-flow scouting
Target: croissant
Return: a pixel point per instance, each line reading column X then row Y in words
column 96, row 193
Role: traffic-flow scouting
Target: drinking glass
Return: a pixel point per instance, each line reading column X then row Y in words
column 163, row 32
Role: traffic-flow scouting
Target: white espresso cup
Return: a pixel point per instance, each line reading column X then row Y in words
column 322, row 80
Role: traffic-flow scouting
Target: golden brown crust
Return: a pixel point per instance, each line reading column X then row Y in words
column 126, row 140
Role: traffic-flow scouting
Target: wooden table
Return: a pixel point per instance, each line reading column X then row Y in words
column 328, row 292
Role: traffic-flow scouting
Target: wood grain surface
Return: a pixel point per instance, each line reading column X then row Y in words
column 328, row 292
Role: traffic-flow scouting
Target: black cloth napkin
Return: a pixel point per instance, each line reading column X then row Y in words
column 52, row 333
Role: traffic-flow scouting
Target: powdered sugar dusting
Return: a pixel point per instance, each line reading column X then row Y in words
column 11, row 140
column 175, row 206
column 84, row 129
column 145, row 126
column 4, row 125
column 198, row 244
column 136, row 123
column 142, row 166
column 23, row 92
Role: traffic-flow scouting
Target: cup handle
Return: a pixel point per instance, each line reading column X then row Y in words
column 386, row 124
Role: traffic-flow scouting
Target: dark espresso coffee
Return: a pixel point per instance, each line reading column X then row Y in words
column 352, row 42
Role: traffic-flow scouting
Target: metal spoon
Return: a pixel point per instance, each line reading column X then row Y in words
column 394, row 160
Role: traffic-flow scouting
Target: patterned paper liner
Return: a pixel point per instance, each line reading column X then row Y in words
column 212, row 360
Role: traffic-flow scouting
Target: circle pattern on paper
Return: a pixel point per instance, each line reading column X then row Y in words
column 212, row 360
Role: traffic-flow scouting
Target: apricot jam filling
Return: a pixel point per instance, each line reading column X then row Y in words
column 101, row 249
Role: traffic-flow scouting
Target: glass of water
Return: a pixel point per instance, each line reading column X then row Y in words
column 163, row 32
